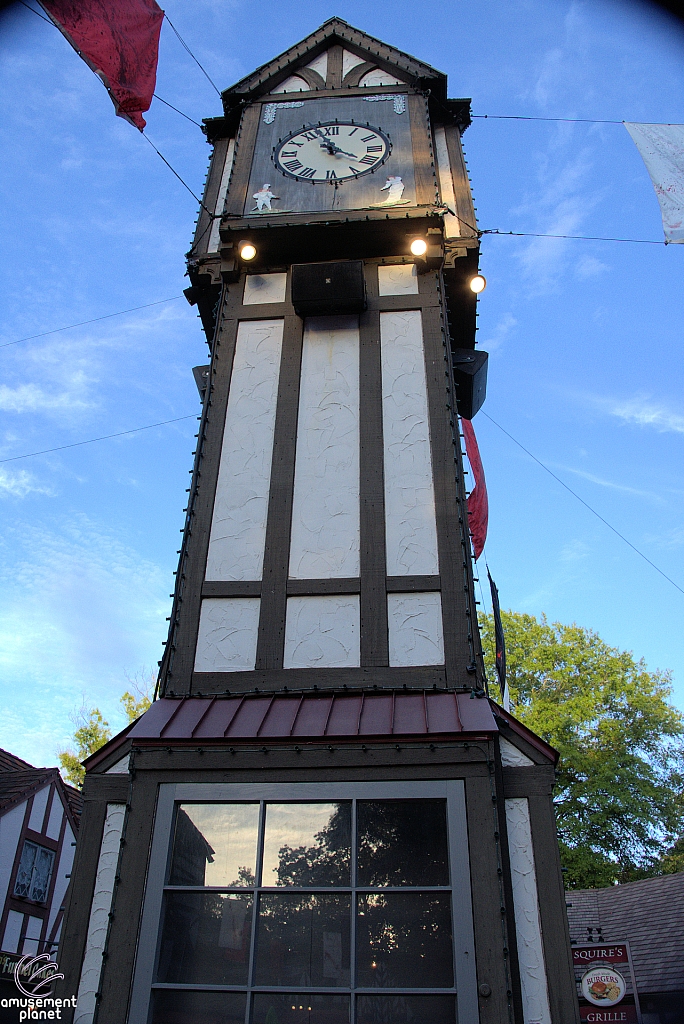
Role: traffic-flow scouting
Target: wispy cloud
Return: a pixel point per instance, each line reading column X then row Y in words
column 641, row 411
column 31, row 398
column 589, row 266
column 592, row 478
column 500, row 333
column 79, row 609
column 19, row 483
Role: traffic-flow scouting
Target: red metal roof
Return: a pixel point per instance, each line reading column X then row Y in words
column 314, row 715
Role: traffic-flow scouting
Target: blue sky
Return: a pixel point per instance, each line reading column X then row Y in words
column 585, row 337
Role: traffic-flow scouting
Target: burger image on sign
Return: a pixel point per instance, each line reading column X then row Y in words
column 603, row 986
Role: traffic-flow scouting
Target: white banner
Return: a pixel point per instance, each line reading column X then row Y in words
column 662, row 150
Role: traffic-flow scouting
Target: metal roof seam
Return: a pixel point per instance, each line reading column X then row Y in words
column 296, row 716
column 327, row 717
column 172, row 716
column 233, row 716
column 270, row 705
column 203, row 715
column 358, row 720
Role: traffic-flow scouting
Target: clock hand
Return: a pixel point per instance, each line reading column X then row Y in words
column 334, row 150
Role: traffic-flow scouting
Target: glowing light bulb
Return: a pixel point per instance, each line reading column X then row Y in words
column 478, row 284
column 418, row 246
column 247, row 251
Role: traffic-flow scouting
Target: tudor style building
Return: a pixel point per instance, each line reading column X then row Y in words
column 39, row 817
column 324, row 819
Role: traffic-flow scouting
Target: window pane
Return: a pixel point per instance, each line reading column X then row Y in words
column 173, row 1007
column 205, row 939
column 303, row 940
column 307, row 844
column 299, row 1009
column 402, row 842
column 405, row 1009
column 215, row 844
column 22, row 886
column 42, row 870
column 404, row 940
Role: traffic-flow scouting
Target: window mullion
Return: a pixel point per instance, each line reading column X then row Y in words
column 255, row 910
column 352, row 935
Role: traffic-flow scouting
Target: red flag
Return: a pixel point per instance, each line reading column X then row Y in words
column 478, row 502
column 119, row 40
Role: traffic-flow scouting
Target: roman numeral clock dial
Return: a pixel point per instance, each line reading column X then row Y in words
column 332, row 151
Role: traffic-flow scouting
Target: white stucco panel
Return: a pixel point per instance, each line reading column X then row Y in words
column 320, row 64
column 452, row 228
column 323, row 632
column 238, row 528
column 227, row 636
column 10, row 830
column 63, row 869
column 350, row 60
column 10, row 940
column 416, row 634
column 99, row 911
column 325, row 537
column 54, row 825
column 511, row 757
column 40, row 800
column 119, row 767
column 411, row 527
column 399, row 279
column 214, row 236
column 535, row 995
column 261, row 288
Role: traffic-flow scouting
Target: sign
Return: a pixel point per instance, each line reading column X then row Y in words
column 626, row 1013
column 603, row 986
column 615, row 954
column 602, row 989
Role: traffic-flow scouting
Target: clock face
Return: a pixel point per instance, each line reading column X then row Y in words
column 360, row 145
column 332, row 151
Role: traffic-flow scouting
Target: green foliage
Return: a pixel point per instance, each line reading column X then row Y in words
column 92, row 733
column 620, row 781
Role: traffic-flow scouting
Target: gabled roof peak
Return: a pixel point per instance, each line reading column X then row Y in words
column 336, row 31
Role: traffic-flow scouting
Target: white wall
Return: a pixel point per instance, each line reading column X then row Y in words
column 323, row 632
column 227, row 637
column 325, row 537
column 40, row 800
column 416, row 634
column 99, row 911
column 238, row 528
column 63, row 868
column 10, row 830
column 535, row 995
column 411, row 526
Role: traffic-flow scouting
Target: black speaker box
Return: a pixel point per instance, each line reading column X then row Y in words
column 470, row 378
column 328, row 289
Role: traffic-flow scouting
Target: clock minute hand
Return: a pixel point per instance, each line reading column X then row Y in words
column 334, row 150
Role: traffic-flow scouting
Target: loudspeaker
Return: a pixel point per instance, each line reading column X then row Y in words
column 328, row 289
column 470, row 378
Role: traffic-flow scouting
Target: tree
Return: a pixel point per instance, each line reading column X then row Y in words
column 619, row 795
column 93, row 732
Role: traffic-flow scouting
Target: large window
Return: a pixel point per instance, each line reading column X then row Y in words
column 330, row 911
column 35, row 870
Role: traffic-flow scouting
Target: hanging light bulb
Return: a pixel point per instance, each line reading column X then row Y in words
column 418, row 247
column 247, row 251
column 478, row 284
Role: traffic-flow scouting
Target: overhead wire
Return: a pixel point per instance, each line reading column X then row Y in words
column 96, row 319
column 186, row 47
column 167, row 104
column 573, row 120
column 92, row 440
column 583, row 502
column 584, row 238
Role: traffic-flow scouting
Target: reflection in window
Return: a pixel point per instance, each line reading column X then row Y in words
column 205, row 938
column 405, row 1009
column 34, row 872
column 402, row 842
column 404, row 940
column 307, row 844
column 177, row 1007
column 300, row 1008
column 215, row 844
column 303, row 939
column 288, row 922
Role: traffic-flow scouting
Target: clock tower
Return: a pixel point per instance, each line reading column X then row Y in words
column 323, row 818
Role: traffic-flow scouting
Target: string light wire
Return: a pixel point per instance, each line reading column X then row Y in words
column 92, row 440
column 585, row 503
column 187, row 48
column 96, row 319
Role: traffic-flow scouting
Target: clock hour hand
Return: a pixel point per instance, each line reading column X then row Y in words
column 334, row 150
